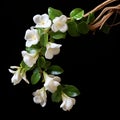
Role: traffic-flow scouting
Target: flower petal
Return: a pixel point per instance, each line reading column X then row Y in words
column 59, row 24
column 40, row 97
column 42, row 21
column 51, row 82
column 37, row 18
column 67, row 103
column 64, row 28
column 16, row 78
column 24, row 78
column 52, row 49
column 31, row 37
column 29, row 58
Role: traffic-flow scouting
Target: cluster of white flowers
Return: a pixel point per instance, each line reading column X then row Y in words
column 51, row 83
column 32, row 37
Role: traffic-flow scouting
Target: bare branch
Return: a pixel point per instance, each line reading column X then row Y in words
column 100, row 23
column 105, row 10
column 99, row 7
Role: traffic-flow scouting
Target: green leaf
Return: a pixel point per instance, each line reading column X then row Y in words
column 58, row 35
column 83, row 27
column 54, row 13
column 55, row 70
column 56, row 96
column 41, row 62
column 44, row 39
column 90, row 18
column 23, row 65
column 71, row 90
column 73, row 29
column 35, row 76
column 40, row 31
column 48, row 63
column 77, row 13
column 105, row 28
column 33, row 47
column 42, row 50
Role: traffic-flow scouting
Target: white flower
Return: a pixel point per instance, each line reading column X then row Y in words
column 59, row 24
column 18, row 75
column 42, row 21
column 67, row 103
column 52, row 49
column 51, row 82
column 30, row 58
column 31, row 37
column 40, row 97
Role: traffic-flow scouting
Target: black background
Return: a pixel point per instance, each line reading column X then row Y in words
column 90, row 62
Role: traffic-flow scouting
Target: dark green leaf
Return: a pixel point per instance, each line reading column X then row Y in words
column 83, row 27
column 28, row 49
column 40, row 31
column 71, row 90
column 55, row 70
column 33, row 47
column 56, row 96
column 90, row 18
column 73, row 29
column 105, row 28
column 44, row 39
column 48, row 63
column 58, row 35
column 35, row 76
column 54, row 13
column 23, row 65
column 77, row 13
column 41, row 62
column 43, row 49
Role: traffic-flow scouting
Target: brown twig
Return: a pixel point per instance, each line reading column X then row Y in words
column 115, row 24
column 99, row 7
column 103, row 17
column 101, row 22
column 105, row 10
column 105, row 14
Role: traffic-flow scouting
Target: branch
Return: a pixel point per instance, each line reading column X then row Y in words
column 105, row 10
column 104, row 15
column 100, row 23
column 99, row 7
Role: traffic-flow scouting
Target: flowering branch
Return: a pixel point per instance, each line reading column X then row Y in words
column 41, row 46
